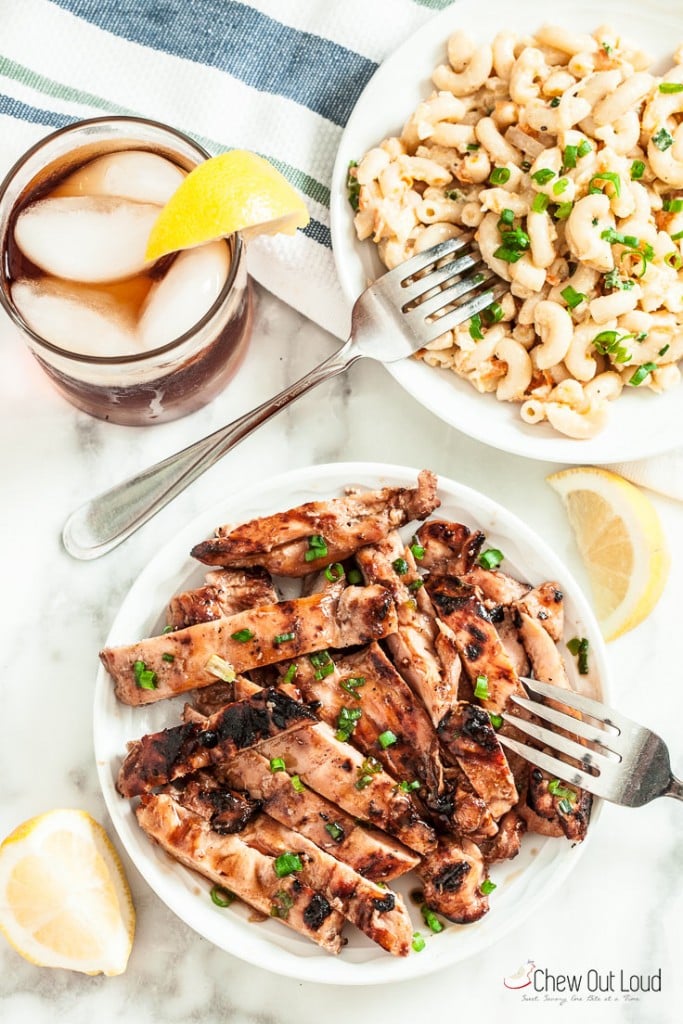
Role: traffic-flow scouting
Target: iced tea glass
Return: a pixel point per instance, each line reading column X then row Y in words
column 130, row 349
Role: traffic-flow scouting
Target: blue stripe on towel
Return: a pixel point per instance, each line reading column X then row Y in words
column 35, row 115
column 260, row 51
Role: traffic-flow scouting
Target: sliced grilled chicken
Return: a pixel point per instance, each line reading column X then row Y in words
column 450, row 549
column 161, row 757
column 226, row 592
column 507, row 842
column 356, row 783
column 426, row 658
column 545, row 604
column 468, row 735
column 451, row 876
column 470, row 815
column 481, row 651
column 226, row 810
column 365, row 696
column 544, row 655
column 370, row 852
column 508, row 632
column 228, row 861
column 176, row 662
column 311, row 536
column 496, row 588
column 376, row 911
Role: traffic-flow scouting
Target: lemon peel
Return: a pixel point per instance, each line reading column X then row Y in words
column 64, row 898
column 236, row 191
column 621, row 543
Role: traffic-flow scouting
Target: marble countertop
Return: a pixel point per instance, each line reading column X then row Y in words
column 619, row 911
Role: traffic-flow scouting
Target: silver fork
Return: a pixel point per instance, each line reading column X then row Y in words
column 638, row 770
column 400, row 313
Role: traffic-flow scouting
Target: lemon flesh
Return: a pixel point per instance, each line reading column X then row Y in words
column 236, row 191
column 621, row 543
column 64, row 898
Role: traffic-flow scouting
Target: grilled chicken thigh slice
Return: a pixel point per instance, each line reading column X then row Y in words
column 311, row 536
column 469, row 737
column 226, row 592
column 452, row 875
column 450, row 549
column 180, row 661
column 228, row 861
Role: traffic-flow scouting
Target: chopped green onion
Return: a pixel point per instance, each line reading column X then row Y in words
column 347, row 722
column 416, row 548
column 555, row 788
column 641, row 373
column 145, row 678
column 368, row 768
column 353, row 186
column 335, row 830
column 452, row 193
column 565, row 807
column 672, row 205
column 277, row 764
column 507, row 218
column 317, row 548
column 354, row 577
column 663, row 140
column 664, row 350
column 579, row 646
column 612, row 280
column 430, row 919
column 283, row 638
column 416, row 584
column 500, row 175
column 584, row 148
column 387, row 739
column 507, row 255
column 242, row 635
column 616, row 238
column 221, row 896
column 352, row 685
column 481, row 689
column 670, row 87
column 476, row 332
column 493, row 314
column 168, row 629
column 525, row 166
column 287, row 864
column 515, row 238
column 290, row 673
column 569, row 156
column 611, row 343
column 607, row 177
column 677, row 236
column 418, row 942
column 540, row 203
column 496, row 720
column 281, row 905
column 555, row 101
column 674, row 260
column 220, row 668
column 168, row 657
column 637, row 170
column 297, row 784
column 491, row 558
column 560, row 186
column 409, row 787
column 400, row 566
column 487, row 887
column 334, row 572
column 322, row 663
column 472, row 147
column 543, row 176
column 562, row 210
column 572, row 297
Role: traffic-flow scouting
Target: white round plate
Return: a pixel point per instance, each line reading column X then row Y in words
column 522, row 884
column 641, row 423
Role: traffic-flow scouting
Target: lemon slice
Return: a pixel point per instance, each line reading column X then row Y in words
column 64, row 898
column 621, row 543
column 236, row 191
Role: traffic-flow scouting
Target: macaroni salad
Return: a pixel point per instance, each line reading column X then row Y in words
column 564, row 154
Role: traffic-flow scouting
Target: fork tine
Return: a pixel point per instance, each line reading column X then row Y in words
column 435, row 278
column 446, row 296
column 596, row 784
column 426, row 259
column 589, row 758
column 584, row 704
column 575, row 725
column 465, row 311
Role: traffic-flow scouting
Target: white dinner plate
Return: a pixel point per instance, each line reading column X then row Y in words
column 522, row 884
column 640, row 423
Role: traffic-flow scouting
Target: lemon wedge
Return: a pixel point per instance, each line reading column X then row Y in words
column 236, row 191
column 64, row 898
column 621, row 543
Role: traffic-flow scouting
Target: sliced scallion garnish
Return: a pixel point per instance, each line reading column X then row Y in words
column 481, row 688
column 243, row 635
column 221, row 896
column 145, row 678
column 287, row 864
column 572, row 297
column 387, row 739
column 500, row 175
column 491, row 558
column 641, row 373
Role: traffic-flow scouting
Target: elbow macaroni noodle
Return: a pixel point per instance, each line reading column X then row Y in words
column 565, row 154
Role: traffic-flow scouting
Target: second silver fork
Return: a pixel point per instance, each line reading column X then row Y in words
column 400, row 313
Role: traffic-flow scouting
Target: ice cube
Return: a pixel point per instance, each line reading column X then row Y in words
column 182, row 297
column 136, row 175
column 76, row 318
column 89, row 239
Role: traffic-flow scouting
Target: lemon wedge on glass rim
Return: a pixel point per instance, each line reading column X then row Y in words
column 64, row 898
column 236, row 191
column 621, row 543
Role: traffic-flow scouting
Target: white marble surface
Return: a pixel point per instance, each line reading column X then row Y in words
column 620, row 910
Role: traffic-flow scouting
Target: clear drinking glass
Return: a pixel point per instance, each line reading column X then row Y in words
column 139, row 387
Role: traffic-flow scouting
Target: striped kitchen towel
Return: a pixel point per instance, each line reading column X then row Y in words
column 279, row 77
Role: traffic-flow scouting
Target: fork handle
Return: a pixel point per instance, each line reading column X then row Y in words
column 674, row 789
column 102, row 523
